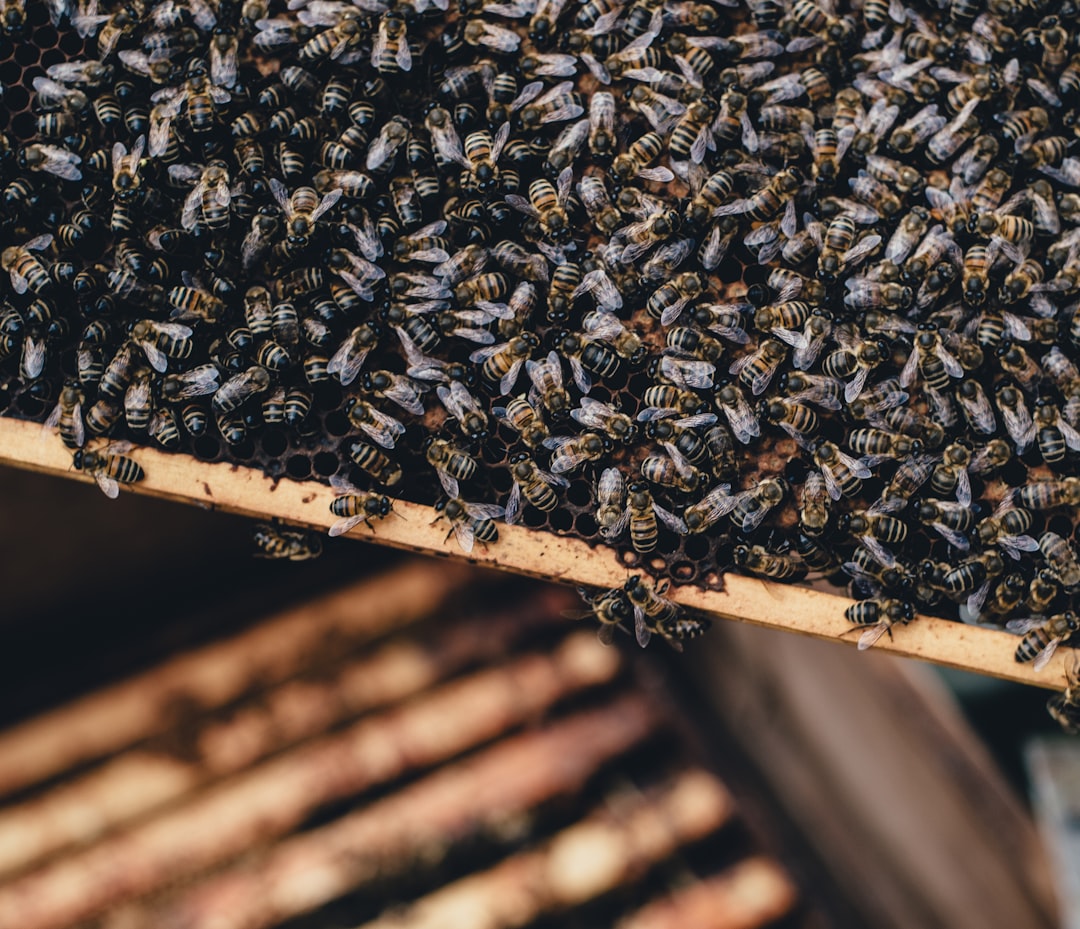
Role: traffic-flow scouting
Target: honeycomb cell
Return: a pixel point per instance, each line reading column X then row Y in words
column 298, row 467
column 27, row 55
column 326, row 464
column 274, row 443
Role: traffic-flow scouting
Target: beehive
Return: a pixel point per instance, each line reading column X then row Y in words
column 182, row 105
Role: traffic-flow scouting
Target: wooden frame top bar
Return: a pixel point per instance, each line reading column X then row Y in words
column 545, row 555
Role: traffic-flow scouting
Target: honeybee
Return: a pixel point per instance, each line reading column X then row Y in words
column 469, row 522
column 1016, row 415
column 109, row 467
column 161, row 341
column 448, row 460
column 669, row 300
column 27, row 271
column 480, row 158
column 880, row 616
column 571, row 452
column 502, row 363
column 611, row 512
column 125, row 167
column 374, row 462
column 349, row 358
column 1065, row 707
column 606, row 326
column 275, row 542
column 556, row 105
column 950, row 520
column 731, row 402
column 654, row 613
column 463, row 406
column 532, row 483
column 611, row 608
column 67, row 418
column 843, row 474
column 547, row 205
column 302, row 209
column 757, row 369
column 195, row 382
column 759, row 560
column 354, row 506
column 520, row 415
column 593, row 414
column 380, row 426
column 1042, row 636
column 548, row 390
column 642, row 514
column 51, row 159
column 239, row 388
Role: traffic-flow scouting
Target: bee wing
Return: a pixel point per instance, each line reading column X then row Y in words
column 581, row 376
column 616, row 529
column 344, row 525
column 464, row 533
column 1015, row 545
column 108, row 486
column 641, row 629
column 1046, row 654
column 879, row 551
column 158, row 361
column 907, row 375
column 484, row 510
column 508, row 380
column 449, row 484
column 719, row 502
column 192, row 207
column 347, row 362
column 1071, row 436
column 19, row 283
column 952, row 536
column 659, row 174
column 522, row 205
column 871, row 635
column 54, row 419
column 513, row 504
column 1024, row 626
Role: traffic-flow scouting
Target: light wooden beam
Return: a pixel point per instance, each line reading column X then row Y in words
column 545, row 555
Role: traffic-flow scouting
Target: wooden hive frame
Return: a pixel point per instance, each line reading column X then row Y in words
column 565, row 560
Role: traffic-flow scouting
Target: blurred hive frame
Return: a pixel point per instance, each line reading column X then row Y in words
column 692, row 560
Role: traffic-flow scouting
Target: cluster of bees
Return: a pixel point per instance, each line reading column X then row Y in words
column 792, row 276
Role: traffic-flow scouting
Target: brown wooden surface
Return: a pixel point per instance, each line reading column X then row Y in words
column 873, row 763
column 538, row 554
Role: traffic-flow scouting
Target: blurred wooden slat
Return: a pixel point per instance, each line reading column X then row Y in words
column 753, row 893
column 143, row 706
column 420, row 822
column 538, row 554
column 892, row 789
column 147, row 777
column 274, row 798
column 610, row 847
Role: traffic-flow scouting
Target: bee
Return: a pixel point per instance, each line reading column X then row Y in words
column 276, row 543
column 395, row 387
column 931, row 360
column 353, row 506
column 879, row 444
column 375, row 463
column 51, row 159
column 459, row 403
column 673, row 470
column 302, row 209
column 752, row 506
column 643, row 512
column 1064, row 708
column 602, row 416
column 838, row 250
column 843, row 474
column 379, row 426
column 866, row 294
column 533, row 484
column 794, row 418
column 776, row 196
column 1016, row 416
column 558, row 104
column 757, row 369
column 469, row 522
column 880, row 616
column 568, row 143
column 571, row 452
column 502, row 363
column 239, row 388
column 610, row 608
column 1054, row 434
column 760, row 561
column 1047, row 495
column 974, row 577
column 731, row 402
column 642, row 235
column 547, row 205
column 633, row 163
column 110, row 468
column 28, row 273
column 1061, row 561
column 195, row 382
column 67, row 417
column 161, row 341
column 654, row 613
column 597, row 202
column 814, row 505
column 191, row 302
column 949, row 519
column 521, row 416
column 1042, row 636
column 611, row 512
column 669, row 300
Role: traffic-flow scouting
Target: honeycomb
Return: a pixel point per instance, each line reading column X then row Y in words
column 766, row 160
